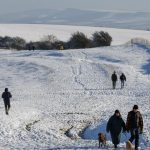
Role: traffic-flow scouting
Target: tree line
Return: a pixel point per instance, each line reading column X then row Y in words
column 50, row 42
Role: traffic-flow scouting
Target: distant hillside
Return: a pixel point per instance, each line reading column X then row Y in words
column 35, row 32
column 128, row 20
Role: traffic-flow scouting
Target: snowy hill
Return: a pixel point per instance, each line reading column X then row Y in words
column 62, row 99
column 113, row 19
column 32, row 32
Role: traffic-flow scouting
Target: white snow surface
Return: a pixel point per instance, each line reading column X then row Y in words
column 34, row 32
column 59, row 92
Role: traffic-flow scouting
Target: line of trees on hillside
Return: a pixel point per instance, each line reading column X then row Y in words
column 50, row 42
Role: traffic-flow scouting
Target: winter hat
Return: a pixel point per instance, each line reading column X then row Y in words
column 117, row 111
column 135, row 107
column 6, row 89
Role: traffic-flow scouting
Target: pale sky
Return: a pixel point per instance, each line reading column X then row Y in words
column 8, row 6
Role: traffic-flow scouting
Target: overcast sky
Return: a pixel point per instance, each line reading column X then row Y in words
column 7, row 6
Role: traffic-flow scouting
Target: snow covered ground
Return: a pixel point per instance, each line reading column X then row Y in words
column 34, row 32
column 57, row 94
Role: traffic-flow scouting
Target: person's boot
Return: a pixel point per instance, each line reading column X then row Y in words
column 6, row 111
column 115, row 146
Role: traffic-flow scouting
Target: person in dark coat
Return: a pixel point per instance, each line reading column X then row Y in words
column 122, row 79
column 114, row 79
column 6, row 97
column 134, row 124
column 115, row 126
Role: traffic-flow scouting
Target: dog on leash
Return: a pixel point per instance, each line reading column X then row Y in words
column 129, row 145
column 101, row 140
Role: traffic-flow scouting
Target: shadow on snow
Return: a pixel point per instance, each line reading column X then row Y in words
column 146, row 67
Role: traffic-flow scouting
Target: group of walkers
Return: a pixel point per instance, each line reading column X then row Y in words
column 7, row 95
column 134, row 125
column 114, row 79
column 116, row 124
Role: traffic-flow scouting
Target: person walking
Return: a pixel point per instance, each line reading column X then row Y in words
column 6, row 95
column 122, row 79
column 115, row 126
column 134, row 124
column 114, row 79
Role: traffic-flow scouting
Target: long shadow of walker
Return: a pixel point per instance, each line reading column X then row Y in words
column 146, row 67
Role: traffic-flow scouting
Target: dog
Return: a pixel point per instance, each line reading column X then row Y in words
column 129, row 145
column 102, row 140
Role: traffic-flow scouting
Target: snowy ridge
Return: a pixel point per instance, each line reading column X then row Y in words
column 140, row 41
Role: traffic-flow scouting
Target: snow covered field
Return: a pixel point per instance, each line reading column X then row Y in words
column 34, row 32
column 69, row 92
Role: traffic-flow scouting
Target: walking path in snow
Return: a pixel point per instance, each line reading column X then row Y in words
column 54, row 91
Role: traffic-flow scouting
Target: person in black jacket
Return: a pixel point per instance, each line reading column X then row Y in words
column 122, row 79
column 114, row 79
column 6, row 97
column 115, row 125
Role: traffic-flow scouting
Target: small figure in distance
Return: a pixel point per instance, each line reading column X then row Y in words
column 114, row 79
column 6, row 97
column 29, row 48
column 33, row 47
column 122, row 79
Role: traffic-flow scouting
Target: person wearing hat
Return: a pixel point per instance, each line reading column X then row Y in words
column 6, row 97
column 114, row 79
column 134, row 124
column 115, row 126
